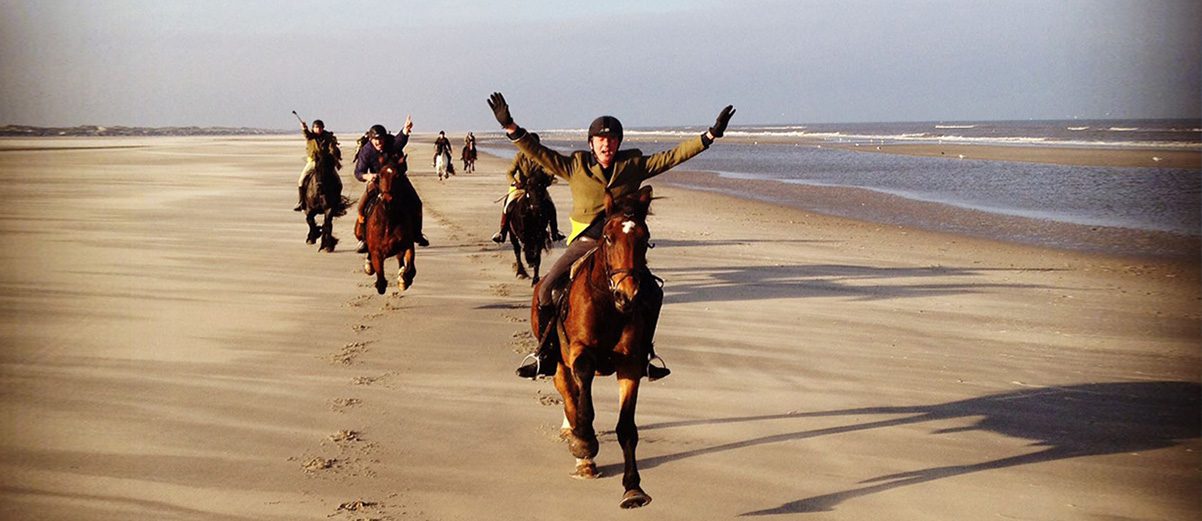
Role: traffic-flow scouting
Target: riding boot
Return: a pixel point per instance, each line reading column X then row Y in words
column 499, row 237
column 300, row 199
column 359, row 228
column 543, row 362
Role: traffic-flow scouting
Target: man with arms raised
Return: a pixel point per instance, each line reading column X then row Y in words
column 589, row 175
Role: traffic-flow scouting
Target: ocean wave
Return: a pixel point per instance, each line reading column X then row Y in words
column 955, row 126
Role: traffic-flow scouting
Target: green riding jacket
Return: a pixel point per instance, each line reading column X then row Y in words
column 588, row 181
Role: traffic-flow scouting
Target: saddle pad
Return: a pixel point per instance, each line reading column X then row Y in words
column 575, row 265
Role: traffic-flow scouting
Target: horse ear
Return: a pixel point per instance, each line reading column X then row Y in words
column 644, row 196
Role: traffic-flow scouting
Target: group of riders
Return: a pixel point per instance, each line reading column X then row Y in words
column 590, row 175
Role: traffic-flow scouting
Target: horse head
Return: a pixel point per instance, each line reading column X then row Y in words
column 391, row 168
column 625, row 240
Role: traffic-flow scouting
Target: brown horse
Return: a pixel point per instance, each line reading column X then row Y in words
column 323, row 195
column 528, row 219
column 389, row 227
column 607, row 323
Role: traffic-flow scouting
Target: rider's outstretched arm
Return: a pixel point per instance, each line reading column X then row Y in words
column 554, row 162
column 661, row 162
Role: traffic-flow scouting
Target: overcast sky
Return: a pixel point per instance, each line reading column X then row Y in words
column 649, row 62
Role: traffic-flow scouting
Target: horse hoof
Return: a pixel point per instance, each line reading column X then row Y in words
column 634, row 498
column 310, row 241
column 586, row 470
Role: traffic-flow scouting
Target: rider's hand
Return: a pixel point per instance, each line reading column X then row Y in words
column 719, row 127
column 408, row 125
column 500, row 110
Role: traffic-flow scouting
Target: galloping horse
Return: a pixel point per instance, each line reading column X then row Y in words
column 444, row 165
column 469, row 159
column 323, row 195
column 390, row 227
column 528, row 221
column 606, row 326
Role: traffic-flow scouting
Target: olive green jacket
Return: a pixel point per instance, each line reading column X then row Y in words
column 323, row 143
column 588, row 181
column 521, row 170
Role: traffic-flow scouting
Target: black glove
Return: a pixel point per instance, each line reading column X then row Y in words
column 719, row 127
column 500, row 109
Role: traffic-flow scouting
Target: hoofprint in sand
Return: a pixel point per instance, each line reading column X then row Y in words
column 174, row 350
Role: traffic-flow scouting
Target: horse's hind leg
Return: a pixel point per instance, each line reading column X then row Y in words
column 628, row 434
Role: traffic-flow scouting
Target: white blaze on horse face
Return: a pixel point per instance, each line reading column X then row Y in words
column 627, row 226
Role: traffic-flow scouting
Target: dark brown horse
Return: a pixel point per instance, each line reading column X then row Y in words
column 607, row 324
column 323, row 195
column 390, row 225
column 528, row 219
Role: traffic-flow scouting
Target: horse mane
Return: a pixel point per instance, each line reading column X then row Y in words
column 634, row 204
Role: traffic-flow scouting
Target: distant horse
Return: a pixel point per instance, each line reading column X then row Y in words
column 323, row 195
column 389, row 227
column 528, row 220
column 444, row 166
column 606, row 326
column 469, row 159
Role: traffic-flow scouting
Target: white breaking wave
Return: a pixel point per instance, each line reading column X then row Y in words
column 955, row 126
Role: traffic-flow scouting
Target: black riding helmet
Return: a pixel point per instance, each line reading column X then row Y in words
column 605, row 126
column 377, row 131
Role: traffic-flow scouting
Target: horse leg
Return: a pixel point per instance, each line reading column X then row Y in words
column 376, row 259
column 628, row 434
column 583, row 440
column 327, row 232
column 534, row 257
column 517, row 256
column 314, row 232
column 408, row 269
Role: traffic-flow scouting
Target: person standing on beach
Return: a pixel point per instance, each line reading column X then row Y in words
column 590, row 175
column 522, row 171
column 318, row 142
column 384, row 147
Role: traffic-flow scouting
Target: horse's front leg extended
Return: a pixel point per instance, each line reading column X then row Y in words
column 377, row 265
column 314, row 232
column 583, row 441
column 518, row 267
column 628, row 434
column 408, row 270
column 327, row 231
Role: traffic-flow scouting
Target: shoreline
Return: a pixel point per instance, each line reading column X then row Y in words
column 873, row 207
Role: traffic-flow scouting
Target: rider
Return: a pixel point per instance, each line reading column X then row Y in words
column 369, row 159
column 318, row 141
column 522, row 171
column 590, row 175
column 469, row 153
column 442, row 144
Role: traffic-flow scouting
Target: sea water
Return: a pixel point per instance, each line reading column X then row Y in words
column 1151, row 199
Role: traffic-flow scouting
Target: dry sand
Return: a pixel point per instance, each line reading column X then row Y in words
column 173, row 350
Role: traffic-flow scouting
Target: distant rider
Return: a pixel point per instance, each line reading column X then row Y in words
column 442, row 145
column 520, row 173
column 589, row 174
column 368, row 161
column 317, row 142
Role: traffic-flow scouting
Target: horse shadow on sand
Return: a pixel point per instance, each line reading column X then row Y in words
column 742, row 283
column 1063, row 422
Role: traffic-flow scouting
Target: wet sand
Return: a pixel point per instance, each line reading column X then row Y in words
column 173, row 350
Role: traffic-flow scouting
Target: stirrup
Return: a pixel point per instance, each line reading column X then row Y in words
column 498, row 238
column 533, row 371
column 656, row 372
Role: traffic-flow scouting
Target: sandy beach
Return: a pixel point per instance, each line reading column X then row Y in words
column 174, row 350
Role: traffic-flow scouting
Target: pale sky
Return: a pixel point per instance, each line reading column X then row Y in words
column 560, row 64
